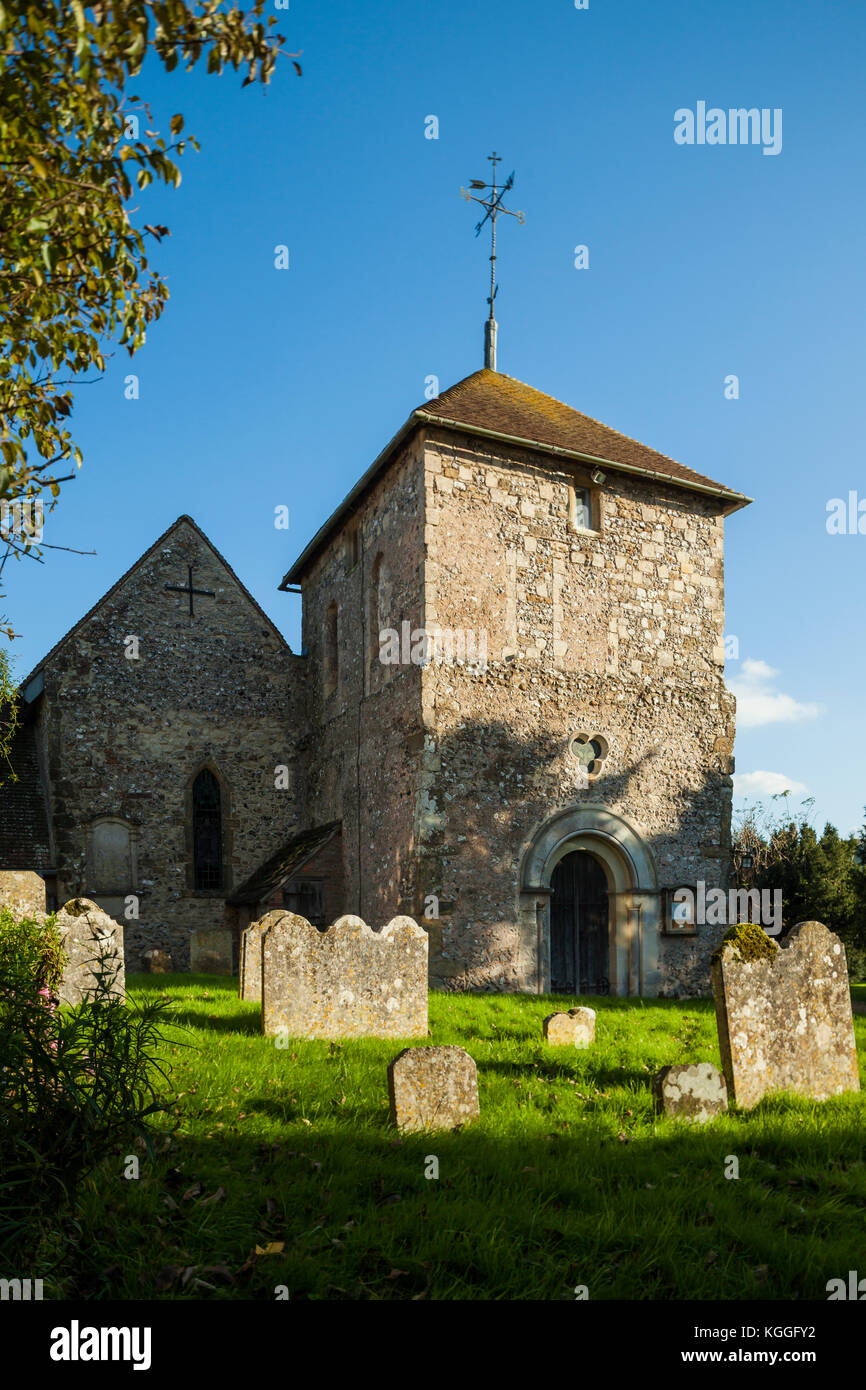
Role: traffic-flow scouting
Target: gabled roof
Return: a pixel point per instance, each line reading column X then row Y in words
column 288, row 861
column 496, row 406
column 181, row 521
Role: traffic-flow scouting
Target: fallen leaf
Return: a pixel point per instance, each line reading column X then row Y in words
column 274, row 1247
column 214, row 1197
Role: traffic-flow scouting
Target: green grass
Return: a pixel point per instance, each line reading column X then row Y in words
column 569, row 1177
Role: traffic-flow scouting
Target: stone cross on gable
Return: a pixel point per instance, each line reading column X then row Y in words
column 188, row 589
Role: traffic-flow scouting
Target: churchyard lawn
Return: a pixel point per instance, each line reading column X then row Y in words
column 277, row 1172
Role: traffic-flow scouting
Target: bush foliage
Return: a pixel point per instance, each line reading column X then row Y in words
column 76, row 1084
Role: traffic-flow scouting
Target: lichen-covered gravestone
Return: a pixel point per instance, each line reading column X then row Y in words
column 22, row 891
column 210, row 951
column 574, row 1029
column 433, row 1088
column 695, row 1092
column 93, row 942
column 346, row 982
column 784, row 1015
column 250, row 965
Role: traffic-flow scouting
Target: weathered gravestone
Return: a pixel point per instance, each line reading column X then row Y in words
column 157, row 962
column 346, row 982
column 22, row 891
column 784, row 1015
column 210, row 951
column 250, row 964
column 93, row 942
column 695, row 1092
column 574, row 1029
column 433, row 1088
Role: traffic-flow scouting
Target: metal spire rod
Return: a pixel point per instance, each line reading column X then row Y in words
column 493, row 206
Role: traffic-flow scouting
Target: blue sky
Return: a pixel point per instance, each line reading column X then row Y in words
column 261, row 387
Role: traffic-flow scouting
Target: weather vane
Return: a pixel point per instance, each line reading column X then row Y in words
column 493, row 207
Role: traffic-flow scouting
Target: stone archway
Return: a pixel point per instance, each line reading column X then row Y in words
column 633, row 898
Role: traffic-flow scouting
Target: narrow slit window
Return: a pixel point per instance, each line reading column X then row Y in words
column 332, row 646
column 581, row 509
column 207, row 831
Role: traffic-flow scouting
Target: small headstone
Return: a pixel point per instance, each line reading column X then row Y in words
column 433, row 1088
column 93, row 942
column 157, row 962
column 784, row 1015
column 210, row 951
column 250, row 964
column 346, row 982
column 574, row 1029
column 22, row 891
column 694, row 1092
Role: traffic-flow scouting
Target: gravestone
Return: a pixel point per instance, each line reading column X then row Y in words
column 695, row 1092
column 250, row 963
column 784, row 1015
column 433, row 1088
column 157, row 962
column 210, row 951
column 574, row 1029
column 22, row 891
column 346, row 982
column 93, row 941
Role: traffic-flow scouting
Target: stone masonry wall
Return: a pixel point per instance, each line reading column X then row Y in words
column 617, row 633
column 125, row 738
column 364, row 751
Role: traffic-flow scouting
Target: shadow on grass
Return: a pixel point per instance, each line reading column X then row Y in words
column 508, row 1217
column 551, row 1070
column 249, row 1025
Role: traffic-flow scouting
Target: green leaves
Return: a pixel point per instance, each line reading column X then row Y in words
column 74, row 277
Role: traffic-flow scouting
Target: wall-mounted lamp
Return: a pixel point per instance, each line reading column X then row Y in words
column 598, row 477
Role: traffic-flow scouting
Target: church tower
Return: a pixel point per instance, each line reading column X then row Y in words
column 518, row 714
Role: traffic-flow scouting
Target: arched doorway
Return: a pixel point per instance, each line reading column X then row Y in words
column 579, row 926
column 553, row 901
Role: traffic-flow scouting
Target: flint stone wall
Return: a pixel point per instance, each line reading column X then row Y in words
column 785, row 1021
column 346, row 982
column 210, row 952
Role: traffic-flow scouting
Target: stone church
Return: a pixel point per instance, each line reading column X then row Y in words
column 508, row 720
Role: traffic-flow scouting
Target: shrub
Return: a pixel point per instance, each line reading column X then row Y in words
column 75, row 1083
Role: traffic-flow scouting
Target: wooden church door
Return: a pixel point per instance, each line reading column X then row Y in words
column 579, row 933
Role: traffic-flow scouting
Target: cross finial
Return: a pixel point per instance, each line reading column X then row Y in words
column 493, row 205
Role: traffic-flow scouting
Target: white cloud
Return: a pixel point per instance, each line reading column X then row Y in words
column 766, row 784
column 758, row 702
